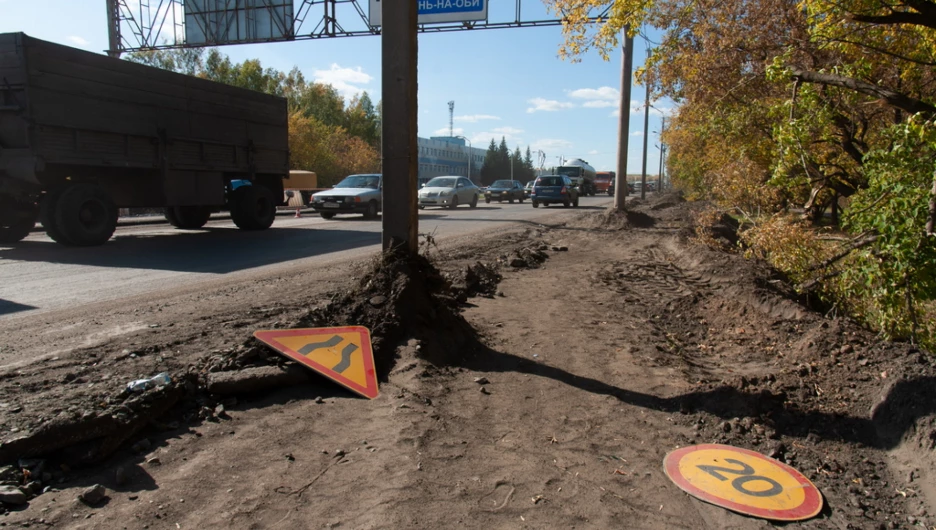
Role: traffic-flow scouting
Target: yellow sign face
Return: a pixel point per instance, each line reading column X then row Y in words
column 342, row 354
column 743, row 481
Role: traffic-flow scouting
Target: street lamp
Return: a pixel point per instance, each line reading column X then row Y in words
column 469, row 154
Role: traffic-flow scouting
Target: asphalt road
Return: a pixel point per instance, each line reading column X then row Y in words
column 40, row 275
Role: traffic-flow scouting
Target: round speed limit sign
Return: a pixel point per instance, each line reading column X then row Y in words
column 743, row 481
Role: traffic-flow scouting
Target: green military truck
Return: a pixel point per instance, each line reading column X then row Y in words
column 82, row 135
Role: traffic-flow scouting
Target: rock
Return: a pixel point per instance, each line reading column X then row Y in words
column 846, row 349
column 155, row 461
column 256, row 379
column 481, row 380
column 12, row 495
column 518, row 263
column 93, row 495
column 319, row 400
column 776, row 450
column 378, row 301
column 10, row 475
column 483, row 390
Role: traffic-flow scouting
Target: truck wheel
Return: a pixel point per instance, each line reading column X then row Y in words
column 253, row 208
column 509, row 201
column 565, row 203
column 520, row 200
column 188, row 217
column 487, row 201
column 22, row 219
column 371, row 212
column 575, row 203
column 84, row 215
column 327, row 215
column 47, row 208
column 535, row 204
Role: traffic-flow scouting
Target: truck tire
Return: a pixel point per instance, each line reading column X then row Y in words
column 188, row 217
column 84, row 215
column 18, row 226
column 46, row 216
column 327, row 215
column 253, row 207
column 535, row 204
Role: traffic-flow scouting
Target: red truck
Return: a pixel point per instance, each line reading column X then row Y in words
column 604, row 182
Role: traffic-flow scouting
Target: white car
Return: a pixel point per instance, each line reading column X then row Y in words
column 449, row 192
column 355, row 194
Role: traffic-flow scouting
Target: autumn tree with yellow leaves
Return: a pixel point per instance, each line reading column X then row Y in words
column 813, row 120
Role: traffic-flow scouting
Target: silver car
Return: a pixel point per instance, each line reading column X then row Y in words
column 449, row 192
column 354, row 194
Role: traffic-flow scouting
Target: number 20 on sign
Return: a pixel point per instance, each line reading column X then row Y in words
column 743, row 481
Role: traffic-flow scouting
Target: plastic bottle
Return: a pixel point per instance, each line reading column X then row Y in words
column 160, row 379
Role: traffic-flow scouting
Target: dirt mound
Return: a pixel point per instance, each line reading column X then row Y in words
column 402, row 297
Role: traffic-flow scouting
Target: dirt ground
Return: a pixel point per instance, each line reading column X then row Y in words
column 533, row 378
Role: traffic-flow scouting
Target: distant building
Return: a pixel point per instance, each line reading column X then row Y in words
column 447, row 155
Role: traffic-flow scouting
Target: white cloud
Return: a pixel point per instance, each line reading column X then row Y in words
column 551, row 146
column 344, row 80
column 457, row 131
column 593, row 152
column 476, row 118
column 510, row 134
column 548, row 105
column 78, row 40
column 616, row 113
column 604, row 93
column 599, row 104
column 637, row 133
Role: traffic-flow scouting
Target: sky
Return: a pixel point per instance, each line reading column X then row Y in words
column 506, row 83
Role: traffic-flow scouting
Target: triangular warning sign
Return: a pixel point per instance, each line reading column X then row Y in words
column 343, row 354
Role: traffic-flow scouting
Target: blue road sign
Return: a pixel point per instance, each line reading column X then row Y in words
column 440, row 11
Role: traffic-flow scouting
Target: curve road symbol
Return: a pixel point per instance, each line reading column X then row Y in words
column 342, row 354
column 743, row 481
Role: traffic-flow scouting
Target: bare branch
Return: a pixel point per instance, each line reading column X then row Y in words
column 895, row 99
column 860, row 242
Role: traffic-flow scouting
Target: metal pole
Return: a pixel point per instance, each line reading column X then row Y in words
column 662, row 128
column 643, row 172
column 627, row 66
column 398, row 43
column 113, row 28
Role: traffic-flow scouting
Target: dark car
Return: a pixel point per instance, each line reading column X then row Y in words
column 504, row 190
column 554, row 189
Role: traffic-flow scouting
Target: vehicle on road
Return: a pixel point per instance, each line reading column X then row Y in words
column 604, row 182
column 83, row 135
column 449, row 192
column 504, row 190
column 581, row 173
column 355, row 194
column 554, row 189
column 528, row 189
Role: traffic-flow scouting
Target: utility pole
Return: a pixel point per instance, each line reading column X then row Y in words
column 643, row 171
column 398, row 44
column 662, row 148
column 627, row 66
